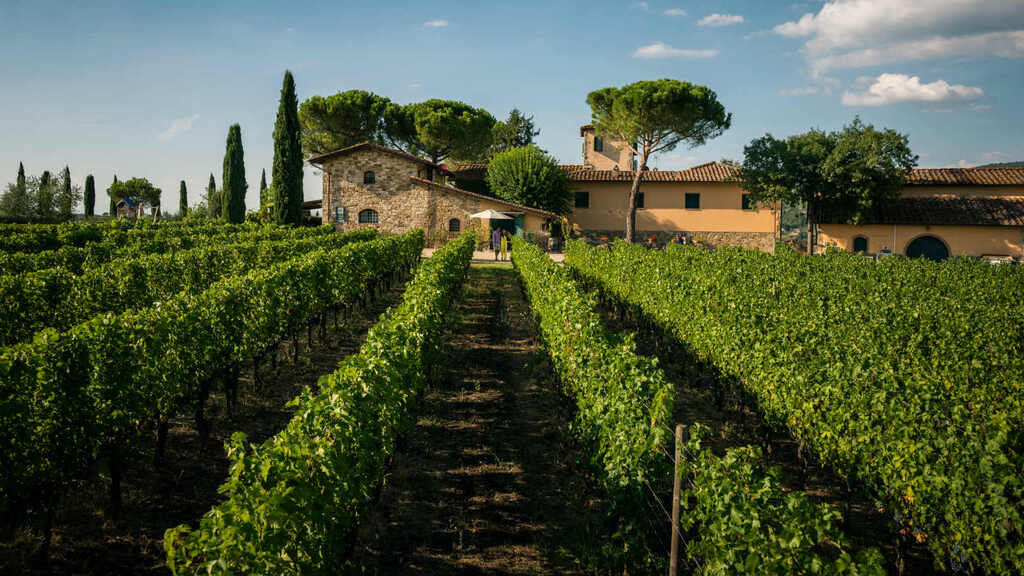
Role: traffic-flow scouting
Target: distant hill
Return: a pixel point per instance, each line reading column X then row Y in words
column 1004, row 165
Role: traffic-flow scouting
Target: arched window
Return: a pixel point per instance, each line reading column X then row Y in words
column 454, row 226
column 860, row 244
column 368, row 217
column 928, row 247
column 369, row 177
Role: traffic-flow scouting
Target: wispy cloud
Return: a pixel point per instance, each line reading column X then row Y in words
column 718, row 20
column 807, row 90
column 441, row 23
column 660, row 50
column 178, row 126
column 642, row 5
column 675, row 12
column 900, row 88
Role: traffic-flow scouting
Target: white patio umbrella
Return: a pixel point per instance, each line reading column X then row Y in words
column 491, row 215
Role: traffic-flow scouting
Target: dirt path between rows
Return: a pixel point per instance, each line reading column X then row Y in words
column 489, row 481
column 185, row 486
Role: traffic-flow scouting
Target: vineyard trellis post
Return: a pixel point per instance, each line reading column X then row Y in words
column 673, row 563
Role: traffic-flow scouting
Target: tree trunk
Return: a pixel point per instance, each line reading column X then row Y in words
column 634, row 189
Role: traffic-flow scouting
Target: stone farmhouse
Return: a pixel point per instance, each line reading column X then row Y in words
column 373, row 185
column 941, row 213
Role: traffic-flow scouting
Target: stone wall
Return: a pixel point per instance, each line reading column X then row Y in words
column 763, row 241
column 400, row 205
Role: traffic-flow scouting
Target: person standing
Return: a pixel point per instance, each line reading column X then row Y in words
column 496, row 242
column 504, row 245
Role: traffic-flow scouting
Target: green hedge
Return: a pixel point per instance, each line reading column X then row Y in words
column 56, row 298
column 68, row 398
column 903, row 375
column 737, row 517
column 293, row 503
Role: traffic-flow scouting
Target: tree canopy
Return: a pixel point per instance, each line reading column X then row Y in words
column 138, row 190
column 527, row 175
column 233, row 178
column 442, row 129
column 516, row 131
column 847, row 171
column 652, row 116
column 341, row 120
column 286, row 172
column 213, row 199
column 16, row 202
column 67, row 196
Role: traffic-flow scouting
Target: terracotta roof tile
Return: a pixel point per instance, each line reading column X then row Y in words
column 966, row 176
column 447, row 188
column 941, row 210
column 710, row 172
column 373, row 146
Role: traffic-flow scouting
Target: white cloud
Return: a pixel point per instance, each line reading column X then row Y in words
column 900, row 88
column 718, row 20
column 861, row 33
column 642, row 5
column 660, row 50
column 178, row 126
column 435, row 23
column 675, row 12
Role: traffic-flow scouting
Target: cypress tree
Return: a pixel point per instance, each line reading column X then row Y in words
column 45, row 197
column 113, row 201
column 212, row 199
column 286, row 173
column 182, row 200
column 23, row 204
column 89, row 200
column 264, row 197
column 66, row 199
column 233, row 179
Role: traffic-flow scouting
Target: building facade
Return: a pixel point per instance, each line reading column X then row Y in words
column 372, row 185
column 941, row 212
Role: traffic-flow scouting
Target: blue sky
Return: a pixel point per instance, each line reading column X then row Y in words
column 149, row 89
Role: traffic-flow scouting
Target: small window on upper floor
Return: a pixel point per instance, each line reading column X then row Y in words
column 369, row 177
column 369, row 216
column 598, row 144
column 860, row 244
column 745, row 202
column 582, row 200
column 639, row 199
column 692, row 201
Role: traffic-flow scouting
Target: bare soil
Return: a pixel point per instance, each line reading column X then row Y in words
column 489, row 482
column 185, row 486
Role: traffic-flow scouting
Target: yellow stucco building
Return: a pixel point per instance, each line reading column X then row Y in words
column 941, row 212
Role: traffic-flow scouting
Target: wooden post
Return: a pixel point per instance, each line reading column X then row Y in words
column 673, row 563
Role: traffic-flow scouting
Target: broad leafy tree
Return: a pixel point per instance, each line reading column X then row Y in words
column 341, row 120
column 653, row 116
column 89, row 200
column 527, row 175
column 182, row 199
column 440, row 129
column 846, row 173
column 233, row 178
column 138, row 190
column 113, row 199
column 16, row 202
column 516, row 131
column 213, row 199
column 286, row 172
column 45, row 202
